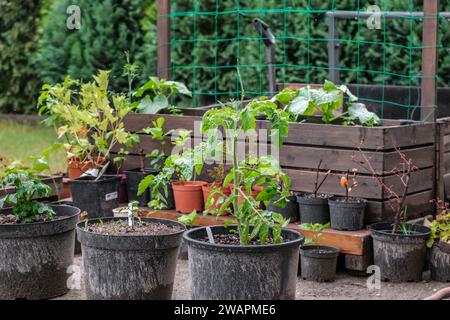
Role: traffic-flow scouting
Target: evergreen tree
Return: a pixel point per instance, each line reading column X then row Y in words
column 19, row 85
column 108, row 29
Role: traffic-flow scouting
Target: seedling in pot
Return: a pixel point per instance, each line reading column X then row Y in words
column 347, row 213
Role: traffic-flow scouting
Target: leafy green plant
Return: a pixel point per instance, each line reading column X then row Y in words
column 157, row 133
column 326, row 101
column 316, row 228
column 252, row 222
column 27, row 187
column 155, row 95
column 186, row 165
column 440, row 227
column 87, row 117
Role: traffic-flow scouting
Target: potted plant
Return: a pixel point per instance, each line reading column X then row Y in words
column 399, row 248
column 439, row 243
column 91, row 121
column 347, row 213
column 318, row 263
column 314, row 206
column 267, row 254
column 157, row 157
column 36, row 240
column 140, row 255
column 185, row 165
column 216, row 189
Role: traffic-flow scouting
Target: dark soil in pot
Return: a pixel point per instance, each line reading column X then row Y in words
column 401, row 257
column 314, row 209
column 235, row 272
column 440, row 263
column 134, row 178
column 318, row 263
column 290, row 212
column 35, row 257
column 97, row 198
column 347, row 215
column 121, row 263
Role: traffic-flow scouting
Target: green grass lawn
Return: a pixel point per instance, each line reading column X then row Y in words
column 19, row 141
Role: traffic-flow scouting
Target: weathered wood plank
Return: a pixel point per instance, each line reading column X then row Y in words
column 368, row 188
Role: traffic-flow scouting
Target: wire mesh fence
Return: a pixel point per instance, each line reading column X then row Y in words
column 376, row 48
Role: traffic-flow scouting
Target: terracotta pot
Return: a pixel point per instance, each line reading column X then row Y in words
column 208, row 188
column 76, row 167
column 188, row 196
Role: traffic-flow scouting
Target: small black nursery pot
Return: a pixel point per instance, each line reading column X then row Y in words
column 290, row 212
column 318, row 263
column 347, row 215
column 313, row 209
column 134, row 178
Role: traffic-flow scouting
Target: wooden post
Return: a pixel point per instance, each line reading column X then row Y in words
column 429, row 60
column 333, row 48
column 164, row 38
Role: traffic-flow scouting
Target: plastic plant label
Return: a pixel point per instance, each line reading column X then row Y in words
column 111, row 196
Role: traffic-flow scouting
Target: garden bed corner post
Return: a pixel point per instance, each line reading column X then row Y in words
column 164, row 39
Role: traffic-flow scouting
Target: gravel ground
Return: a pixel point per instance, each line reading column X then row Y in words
column 344, row 288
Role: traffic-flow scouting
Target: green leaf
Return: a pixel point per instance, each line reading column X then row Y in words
column 144, row 184
column 358, row 111
column 149, row 106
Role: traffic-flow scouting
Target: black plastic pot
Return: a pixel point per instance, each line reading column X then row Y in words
column 134, row 178
column 401, row 258
column 129, row 267
column 170, row 199
column 440, row 262
column 234, row 272
column 35, row 257
column 348, row 216
column 318, row 263
column 313, row 210
column 97, row 198
column 289, row 212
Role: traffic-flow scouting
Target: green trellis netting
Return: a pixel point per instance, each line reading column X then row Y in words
column 211, row 38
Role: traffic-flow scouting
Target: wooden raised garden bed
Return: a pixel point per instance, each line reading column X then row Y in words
column 337, row 146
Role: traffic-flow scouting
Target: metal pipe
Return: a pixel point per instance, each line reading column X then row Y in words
column 269, row 41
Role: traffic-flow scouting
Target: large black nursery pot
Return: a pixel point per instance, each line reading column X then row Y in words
column 401, row 257
column 289, row 212
column 130, row 267
column 313, row 210
column 235, row 272
column 318, row 263
column 134, row 178
column 97, row 198
column 348, row 216
column 440, row 262
column 35, row 257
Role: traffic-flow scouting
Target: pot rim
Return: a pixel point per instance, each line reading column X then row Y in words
column 90, row 179
column 77, row 212
column 192, row 185
column 80, row 226
column 335, row 199
column 385, row 229
column 139, row 170
column 240, row 248
column 305, row 250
